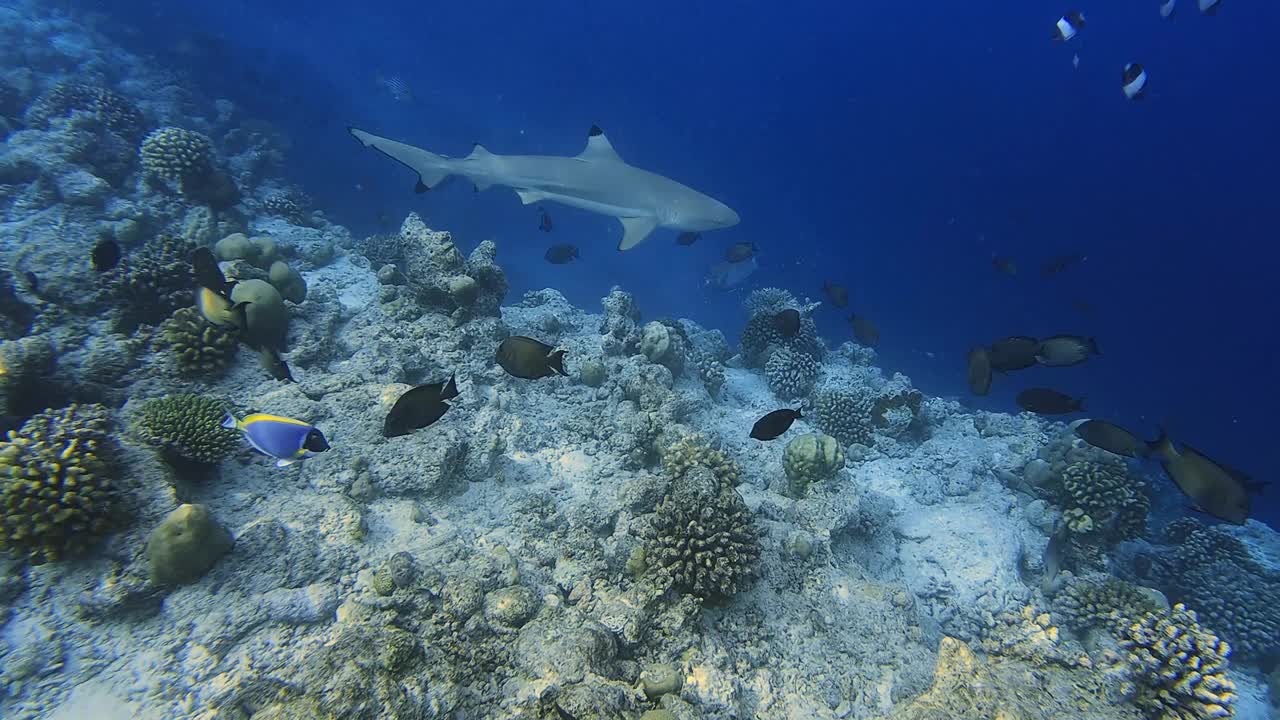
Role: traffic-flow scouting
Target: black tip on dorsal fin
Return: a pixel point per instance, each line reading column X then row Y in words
column 595, row 130
column 420, row 187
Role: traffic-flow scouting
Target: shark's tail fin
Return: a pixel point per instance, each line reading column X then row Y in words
column 432, row 169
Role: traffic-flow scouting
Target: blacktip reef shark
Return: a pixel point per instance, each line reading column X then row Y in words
column 597, row 179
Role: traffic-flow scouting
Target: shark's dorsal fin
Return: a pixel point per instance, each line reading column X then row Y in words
column 599, row 148
column 478, row 151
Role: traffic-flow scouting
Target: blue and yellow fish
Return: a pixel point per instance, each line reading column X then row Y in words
column 285, row 439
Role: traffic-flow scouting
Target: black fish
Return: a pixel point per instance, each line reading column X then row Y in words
column 1111, row 437
column 1006, row 265
column 527, row 358
column 105, row 255
column 1066, row 350
column 545, row 223
column 738, row 252
column 1214, row 488
column 774, row 424
column 979, row 371
column 864, row 330
column 688, row 238
column 561, row 254
column 1044, row 401
column 787, row 322
column 1060, row 264
column 419, row 407
column 1017, row 352
column 274, row 364
column 837, row 294
column 208, row 274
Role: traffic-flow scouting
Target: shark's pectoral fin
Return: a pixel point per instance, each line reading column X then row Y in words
column 636, row 229
column 599, row 149
column 529, row 197
column 432, row 169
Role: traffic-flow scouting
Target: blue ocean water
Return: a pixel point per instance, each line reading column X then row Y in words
column 893, row 148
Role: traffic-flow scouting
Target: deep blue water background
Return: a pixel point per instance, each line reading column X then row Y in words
column 891, row 147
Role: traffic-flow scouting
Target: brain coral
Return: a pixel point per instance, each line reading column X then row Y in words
column 56, row 491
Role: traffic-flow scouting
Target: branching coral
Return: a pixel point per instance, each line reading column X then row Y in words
column 1179, row 668
column 692, row 451
column 760, row 338
column 186, row 427
column 199, row 348
column 56, row 491
column 791, row 374
column 1110, row 497
column 845, row 416
column 710, row 372
column 152, row 283
column 176, row 154
column 117, row 112
column 1108, row 603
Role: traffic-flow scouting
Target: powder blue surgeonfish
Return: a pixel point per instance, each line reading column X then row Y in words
column 285, row 439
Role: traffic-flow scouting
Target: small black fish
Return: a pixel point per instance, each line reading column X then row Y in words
column 1044, row 401
column 524, row 357
column 33, row 282
column 837, row 294
column 1111, row 437
column 419, row 407
column 1017, row 352
column 545, row 224
column 1006, row 265
column 561, row 254
column 105, row 255
column 1060, row 264
column 864, row 330
column 787, row 322
column 979, row 371
column 738, row 252
column 208, row 274
column 688, row 238
column 275, row 365
column 774, row 424
column 1066, row 350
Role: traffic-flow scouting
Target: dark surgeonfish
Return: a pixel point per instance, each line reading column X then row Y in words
column 275, row 365
column 1212, row 488
column 1005, row 265
column 864, row 330
column 1110, row 437
column 1044, row 401
column 545, row 224
column 1017, row 352
column 561, row 254
column 774, row 424
column 787, row 322
column 1060, row 264
column 979, row 371
column 1066, row 350
column 1133, row 81
column 524, row 357
column 688, row 238
column 738, row 252
column 419, row 407
column 1068, row 26
column 105, row 255
column 837, row 294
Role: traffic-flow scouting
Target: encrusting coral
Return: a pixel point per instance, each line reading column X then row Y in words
column 199, row 348
column 186, row 427
column 56, row 491
column 1179, row 669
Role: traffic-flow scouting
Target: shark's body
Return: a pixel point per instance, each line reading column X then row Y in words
column 597, row 180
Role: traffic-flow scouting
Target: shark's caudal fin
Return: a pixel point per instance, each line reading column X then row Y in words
column 432, row 169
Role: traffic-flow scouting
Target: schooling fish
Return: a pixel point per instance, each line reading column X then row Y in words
column 1211, row 487
column 524, row 357
column 1110, row 437
column 739, row 252
column 864, row 330
column 274, row 364
column 979, row 371
column 561, row 254
column 208, row 274
column 1044, row 401
column 105, row 255
column 1006, row 265
column 1017, row 352
column 1060, row 264
column 419, row 407
column 1068, row 26
column 1066, row 350
column 837, row 294
column 1133, row 81
column 774, row 424
column 787, row 322
column 285, row 439
column 545, row 223
column 688, row 238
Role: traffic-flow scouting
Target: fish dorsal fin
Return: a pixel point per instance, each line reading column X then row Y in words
column 478, row 151
column 599, row 149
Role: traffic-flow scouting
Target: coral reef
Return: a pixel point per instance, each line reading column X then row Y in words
column 693, row 451
column 57, row 497
column 185, row 545
column 151, row 284
column 442, row 278
column 1179, row 669
column 200, row 348
column 177, row 155
column 186, row 427
column 116, row 112
column 1105, row 497
column 760, row 337
column 845, row 416
column 791, row 374
column 266, row 316
column 810, row 458
column 664, row 344
column 1106, row 602
column 25, row 365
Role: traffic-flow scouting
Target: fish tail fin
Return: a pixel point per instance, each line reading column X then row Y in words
column 556, row 361
column 432, row 169
column 285, row 462
column 798, row 413
column 450, row 389
column 230, row 422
